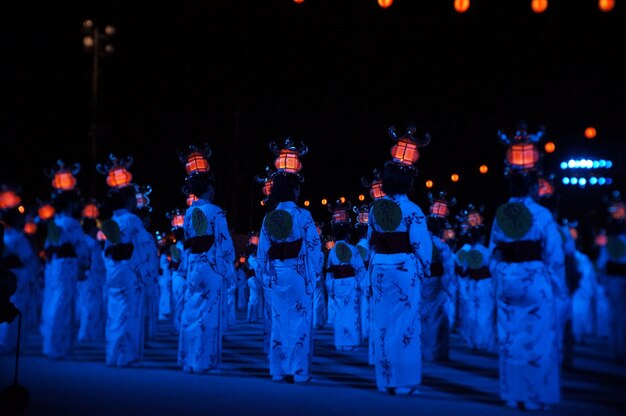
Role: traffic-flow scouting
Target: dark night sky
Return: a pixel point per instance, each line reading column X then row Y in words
column 335, row 74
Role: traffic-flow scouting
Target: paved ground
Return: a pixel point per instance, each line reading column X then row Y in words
column 343, row 385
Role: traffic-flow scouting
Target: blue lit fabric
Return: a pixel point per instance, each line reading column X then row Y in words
column 463, row 302
column 616, row 292
column 586, row 299
column 265, row 300
column 527, row 326
column 364, row 251
column 201, row 324
column 165, row 287
column 395, row 282
column 90, row 305
column 179, row 286
column 15, row 244
column 150, row 277
column 59, row 297
column 292, row 282
column 434, row 317
column 125, row 292
column 345, row 293
column 320, row 309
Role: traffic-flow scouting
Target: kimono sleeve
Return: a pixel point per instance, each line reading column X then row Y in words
column 419, row 236
column 224, row 248
column 313, row 247
column 554, row 257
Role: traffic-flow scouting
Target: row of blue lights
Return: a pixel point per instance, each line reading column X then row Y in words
column 584, row 181
column 586, row 164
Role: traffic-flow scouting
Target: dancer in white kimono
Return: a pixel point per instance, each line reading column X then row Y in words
column 178, row 256
column 346, row 275
column 612, row 264
column 91, row 310
column 363, row 249
column 401, row 252
column 18, row 257
column 165, row 281
column 208, row 263
column 290, row 260
column 68, row 257
column 526, row 252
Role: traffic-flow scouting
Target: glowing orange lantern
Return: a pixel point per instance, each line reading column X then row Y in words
column 46, row 212
column 522, row 155
column 483, row 169
column 454, row 177
column 119, row 177
column 545, row 188
column 267, row 187
column 606, row 5
column 385, row 3
column 324, row 201
column 9, row 199
column 242, row 259
column 429, row 184
column 307, row 203
column 439, row 209
column 539, row 6
column 449, row 234
column 262, row 203
column 298, row 1
column 288, row 161
column 30, row 228
column 618, row 211
column 254, row 240
column 342, row 199
column 340, row 216
column 191, row 199
column 91, row 211
column 474, row 219
column 376, row 189
column 21, row 209
column 196, row 162
column 363, row 217
column 590, row 132
column 361, row 197
column 63, row 180
column 142, row 200
column 178, row 221
column 329, row 245
column 405, row 152
column 101, row 236
column 573, row 232
column 549, row 147
column 461, row 6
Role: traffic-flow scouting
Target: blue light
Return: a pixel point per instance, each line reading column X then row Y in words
column 582, row 182
column 609, row 181
column 563, row 165
column 574, row 181
column 601, row 181
column 571, row 163
column 565, row 180
column 609, row 164
column 602, row 163
column 593, row 180
column 596, row 164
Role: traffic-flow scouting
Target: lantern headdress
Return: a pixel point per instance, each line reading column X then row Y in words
column 545, row 187
column 91, row 210
column 375, row 185
column 116, row 171
column 177, row 218
column 405, row 152
column 472, row 222
column 196, row 159
column 440, row 204
column 9, row 197
column 63, row 178
column 616, row 207
column 523, row 154
column 288, row 156
column 253, row 239
column 141, row 194
column 266, row 182
column 340, row 212
column 362, row 215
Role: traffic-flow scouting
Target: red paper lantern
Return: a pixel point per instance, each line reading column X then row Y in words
column 449, row 234
column 523, row 155
column 539, row 6
column 474, row 219
column 439, row 209
column 46, row 212
column 461, row 6
column 618, row 211
column 376, row 189
column 288, row 161
column 63, row 180
column 30, row 228
column 91, row 211
column 254, row 240
column 242, row 259
column 178, row 221
column 119, row 177
column 196, row 162
column 191, row 199
column 267, row 187
column 363, row 217
column 545, row 188
column 405, row 152
column 340, row 216
column 9, row 199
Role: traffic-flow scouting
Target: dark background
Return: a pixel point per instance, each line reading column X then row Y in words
column 333, row 73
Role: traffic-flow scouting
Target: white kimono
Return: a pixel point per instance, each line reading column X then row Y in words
column 165, row 288
column 435, row 327
column 320, row 310
column 364, row 250
column 17, row 248
column 292, row 281
column 614, row 253
column 345, row 293
column 125, row 288
column 526, row 314
column 179, row 286
column 62, row 273
column 91, row 309
column 254, row 301
column 265, row 301
column 463, row 296
column 242, row 283
column 150, row 278
column 584, row 300
column 395, row 280
column 206, row 273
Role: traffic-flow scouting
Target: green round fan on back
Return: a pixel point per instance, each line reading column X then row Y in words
column 344, row 254
column 199, row 222
column 111, row 229
column 514, row 219
column 279, row 224
column 54, row 233
column 362, row 252
column 474, row 259
column 388, row 214
column 616, row 248
column 175, row 254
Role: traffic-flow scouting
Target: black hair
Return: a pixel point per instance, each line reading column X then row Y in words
column 179, row 233
column 522, row 184
column 284, row 187
column 12, row 217
column 436, row 225
column 341, row 230
column 397, row 180
column 90, row 227
column 476, row 234
column 122, row 197
column 199, row 183
column 361, row 231
column 64, row 200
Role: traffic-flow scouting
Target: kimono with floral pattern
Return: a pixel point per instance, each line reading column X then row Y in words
column 125, row 287
column 292, row 282
column 463, row 298
column 345, row 293
column 526, row 311
column 165, row 287
column 91, row 309
column 59, row 302
column 179, row 286
column 200, row 346
column 364, row 250
column 395, row 280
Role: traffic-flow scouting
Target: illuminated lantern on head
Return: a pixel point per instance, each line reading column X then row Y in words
column 405, row 152
column 30, row 228
column 449, row 234
column 439, row 209
column 440, row 204
column 117, row 172
column 361, row 197
column 91, row 211
column 601, row 239
column 298, row 1
column 539, row 6
column 46, row 212
column 196, row 162
column 9, row 199
column 267, row 187
column 191, row 199
column 590, row 132
column 254, row 239
column 606, row 5
column 63, row 178
column 461, row 6
column 324, row 201
column 340, row 212
column 474, row 219
column 329, row 245
column 362, row 215
column 178, row 221
column 288, row 157
column 545, row 188
column 385, row 3
column 376, row 189
column 523, row 155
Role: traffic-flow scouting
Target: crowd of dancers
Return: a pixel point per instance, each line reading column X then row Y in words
column 396, row 282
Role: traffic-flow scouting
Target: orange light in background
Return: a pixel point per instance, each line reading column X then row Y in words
column 385, row 3
column 549, row 147
column 119, row 177
column 454, row 177
column 21, row 209
column 242, row 259
column 262, row 203
column 342, row 199
column 461, row 6
column 361, row 197
column 288, row 161
column 307, row 203
column 483, row 169
column 539, row 6
column 101, row 236
column 46, row 212
column 63, row 180
column 429, row 184
column 254, row 240
column 30, row 228
column 178, row 221
column 9, row 199
column 606, row 5
column 298, row 1
column 324, row 201
column 91, row 211
column 376, row 189
column 590, row 132
column 524, row 155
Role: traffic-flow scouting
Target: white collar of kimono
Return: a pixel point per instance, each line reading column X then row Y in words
column 286, row 204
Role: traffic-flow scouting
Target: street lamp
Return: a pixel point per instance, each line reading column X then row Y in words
column 97, row 43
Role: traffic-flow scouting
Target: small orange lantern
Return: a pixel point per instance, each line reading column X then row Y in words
column 191, row 199
column 449, row 234
column 474, row 219
column 385, row 3
column 405, row 152
column 376, row 189
column 606, row 5
column 549, row 147
column 262, row 202
column 454, row 177
column 288, row 161
column 91, row 211
column 539, row 6
column 196, row 162
column 429, row 184
column 63, row 180
column 178, row 221
column 324, row 201
column 461, row 6
column 242, row 260
column 329, row 245
column 9, row 199
column 119, row 177
column 46, row 212
column 30, row 228
column 590, row 132
column 545, row 188
column 483, row 169
column 361, row 197
column 440, row 204
column 439, row 209
column 267, row 187
column 363, row 217
column 522, row 155
column 254, row 240
column 340, row 216
column 307, row 203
